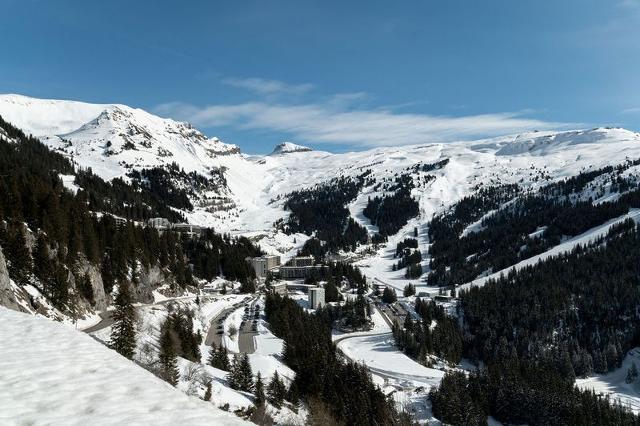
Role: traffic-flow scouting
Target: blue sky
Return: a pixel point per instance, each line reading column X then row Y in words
column 335, row 75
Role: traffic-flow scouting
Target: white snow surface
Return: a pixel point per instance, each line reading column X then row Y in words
column 96, row 136
column 615, row 385
column 289, row 147
column 50, row 374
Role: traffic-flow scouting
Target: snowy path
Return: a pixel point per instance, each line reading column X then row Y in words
column 107, row 320
column 377, row 351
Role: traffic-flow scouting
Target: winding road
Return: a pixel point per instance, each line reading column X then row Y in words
column 107, row 320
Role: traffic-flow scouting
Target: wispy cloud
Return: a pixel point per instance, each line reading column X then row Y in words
column 631, row 111
column 629, row 4
column 268, row 87
column 326, row 122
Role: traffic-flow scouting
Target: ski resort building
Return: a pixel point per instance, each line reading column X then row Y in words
column 296, row 272
column 299, row 267
column 188, row 229
column 279, row 288
column 263, row 265
column 162, row 224
column 301, row 261
column 159, row 223
column 316, row 297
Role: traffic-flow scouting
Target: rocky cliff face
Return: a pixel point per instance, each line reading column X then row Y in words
column 102, row 300
column 7, row 296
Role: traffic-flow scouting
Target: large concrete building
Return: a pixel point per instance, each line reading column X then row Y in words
column 162, row 224
column 301, row 261
column 316, row 297
column 159, row 223
column 279, row 288
column 294, row 272
column 262, row 265
column 299, row 267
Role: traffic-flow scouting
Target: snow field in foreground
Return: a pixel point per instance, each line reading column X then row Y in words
column 50, row 374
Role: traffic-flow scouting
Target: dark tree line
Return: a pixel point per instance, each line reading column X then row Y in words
column 429, row 167
column 420, row 339
column 352, row 314
column 410, row 258
column 577, row 312
column 516, row 393
column 345, row 387
column 323, row 210
column 186, row 343
column 339, row 272
column 172, row 185
column 391, row 212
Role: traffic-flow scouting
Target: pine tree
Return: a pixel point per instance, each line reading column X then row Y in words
column 168, row 359
column 632, row 373
column 42, row 259
column 233, row 377
column 18, row 254
column 258, row 390
column 332, row 294
column 389, row 295
column 219, row 357
column 123, row 333
column 276, row 391
column 246, row 374
column 58, row 287
column 207, row 392
column 409, row 290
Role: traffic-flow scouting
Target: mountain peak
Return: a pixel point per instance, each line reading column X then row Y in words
column 289, row 147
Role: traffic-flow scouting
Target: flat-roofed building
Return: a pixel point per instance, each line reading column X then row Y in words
column 302, row 261
column 159, row 222
column 316, row 297
column 262, row 265
column 293, row 272
column 278, row 288
column 188, row 229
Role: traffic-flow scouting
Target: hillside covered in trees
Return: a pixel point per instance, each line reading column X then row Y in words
column 52, row 236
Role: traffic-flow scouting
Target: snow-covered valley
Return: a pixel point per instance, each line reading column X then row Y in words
column 242, row 195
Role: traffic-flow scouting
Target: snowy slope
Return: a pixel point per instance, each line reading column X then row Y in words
column 614, row 384
column 41, row 383
column 583, row 239
column 289, row 147
column 112, row 139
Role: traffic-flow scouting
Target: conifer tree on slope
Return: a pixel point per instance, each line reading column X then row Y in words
column 276, row 391
column 123, row 333
column 168, row 358
column 240, row 375
column 219, row 357
column 207, row 393
column 20, row 264
column 246, row 374
column 258, row 390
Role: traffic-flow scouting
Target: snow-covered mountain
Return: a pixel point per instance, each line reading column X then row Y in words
column 289, row 147
column 114, row 139
column 247, row 194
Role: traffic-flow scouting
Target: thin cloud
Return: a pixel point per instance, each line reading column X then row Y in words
column 631, row 110
column 327, row 124
column 268, row 87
